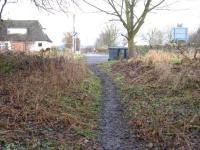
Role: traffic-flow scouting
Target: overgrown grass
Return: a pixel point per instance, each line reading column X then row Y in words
column 161, row 94
column 107, row 65
column 47, row 103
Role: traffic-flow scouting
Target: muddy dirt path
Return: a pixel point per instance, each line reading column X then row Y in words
column 113, row 133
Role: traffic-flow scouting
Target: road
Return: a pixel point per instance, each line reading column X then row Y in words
column 92, row 58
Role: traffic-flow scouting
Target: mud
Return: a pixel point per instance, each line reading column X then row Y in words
column 113, row 130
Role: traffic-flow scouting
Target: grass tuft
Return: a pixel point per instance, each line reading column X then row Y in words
column 161, row 95
column 44, row 99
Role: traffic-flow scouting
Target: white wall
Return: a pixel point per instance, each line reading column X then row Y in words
column 3, row 43
column 36, row 47
column 33, row 47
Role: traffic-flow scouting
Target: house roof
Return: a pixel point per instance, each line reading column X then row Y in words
column 34, row 31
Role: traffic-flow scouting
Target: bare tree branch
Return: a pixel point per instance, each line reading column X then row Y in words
column 153, row 7
column 102, row 10
column 107, row 37
column 2, row 8
column 126, row 12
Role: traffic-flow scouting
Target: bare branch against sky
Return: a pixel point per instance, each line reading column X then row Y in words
column 54, row 5
column 90, row 22
column 47, row 5
column 129, row 14
column 2, row 8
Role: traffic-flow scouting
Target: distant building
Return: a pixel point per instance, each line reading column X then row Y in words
column 23, row 35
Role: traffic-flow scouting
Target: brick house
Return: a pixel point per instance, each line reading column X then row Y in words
column 23, row 35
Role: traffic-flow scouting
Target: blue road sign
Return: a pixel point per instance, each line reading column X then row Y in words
column 180, row 34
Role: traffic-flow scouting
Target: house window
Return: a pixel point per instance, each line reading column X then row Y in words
column 17, row 31
column 40, row 44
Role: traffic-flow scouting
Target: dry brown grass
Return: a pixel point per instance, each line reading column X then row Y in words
column 171, row 68
column 162, row 95
column 159, row 57
column 31, row 97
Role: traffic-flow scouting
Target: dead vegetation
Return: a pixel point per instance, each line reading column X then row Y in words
column 161, row 92
column 46, row 102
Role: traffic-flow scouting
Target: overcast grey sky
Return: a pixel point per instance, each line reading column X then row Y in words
column 89, row 25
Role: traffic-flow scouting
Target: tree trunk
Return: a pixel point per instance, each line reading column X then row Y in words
column 131, row 48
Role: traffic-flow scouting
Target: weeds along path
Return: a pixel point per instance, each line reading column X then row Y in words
column 113, row 134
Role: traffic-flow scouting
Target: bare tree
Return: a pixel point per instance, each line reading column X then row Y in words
column 154, row 37
column 194, row 38
column 107, row 37
column 168, row 35
column 54, row 5
column 68, row 40
column 47, row 5
column 194, row 41
column 128, row 14
column 3, row 4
